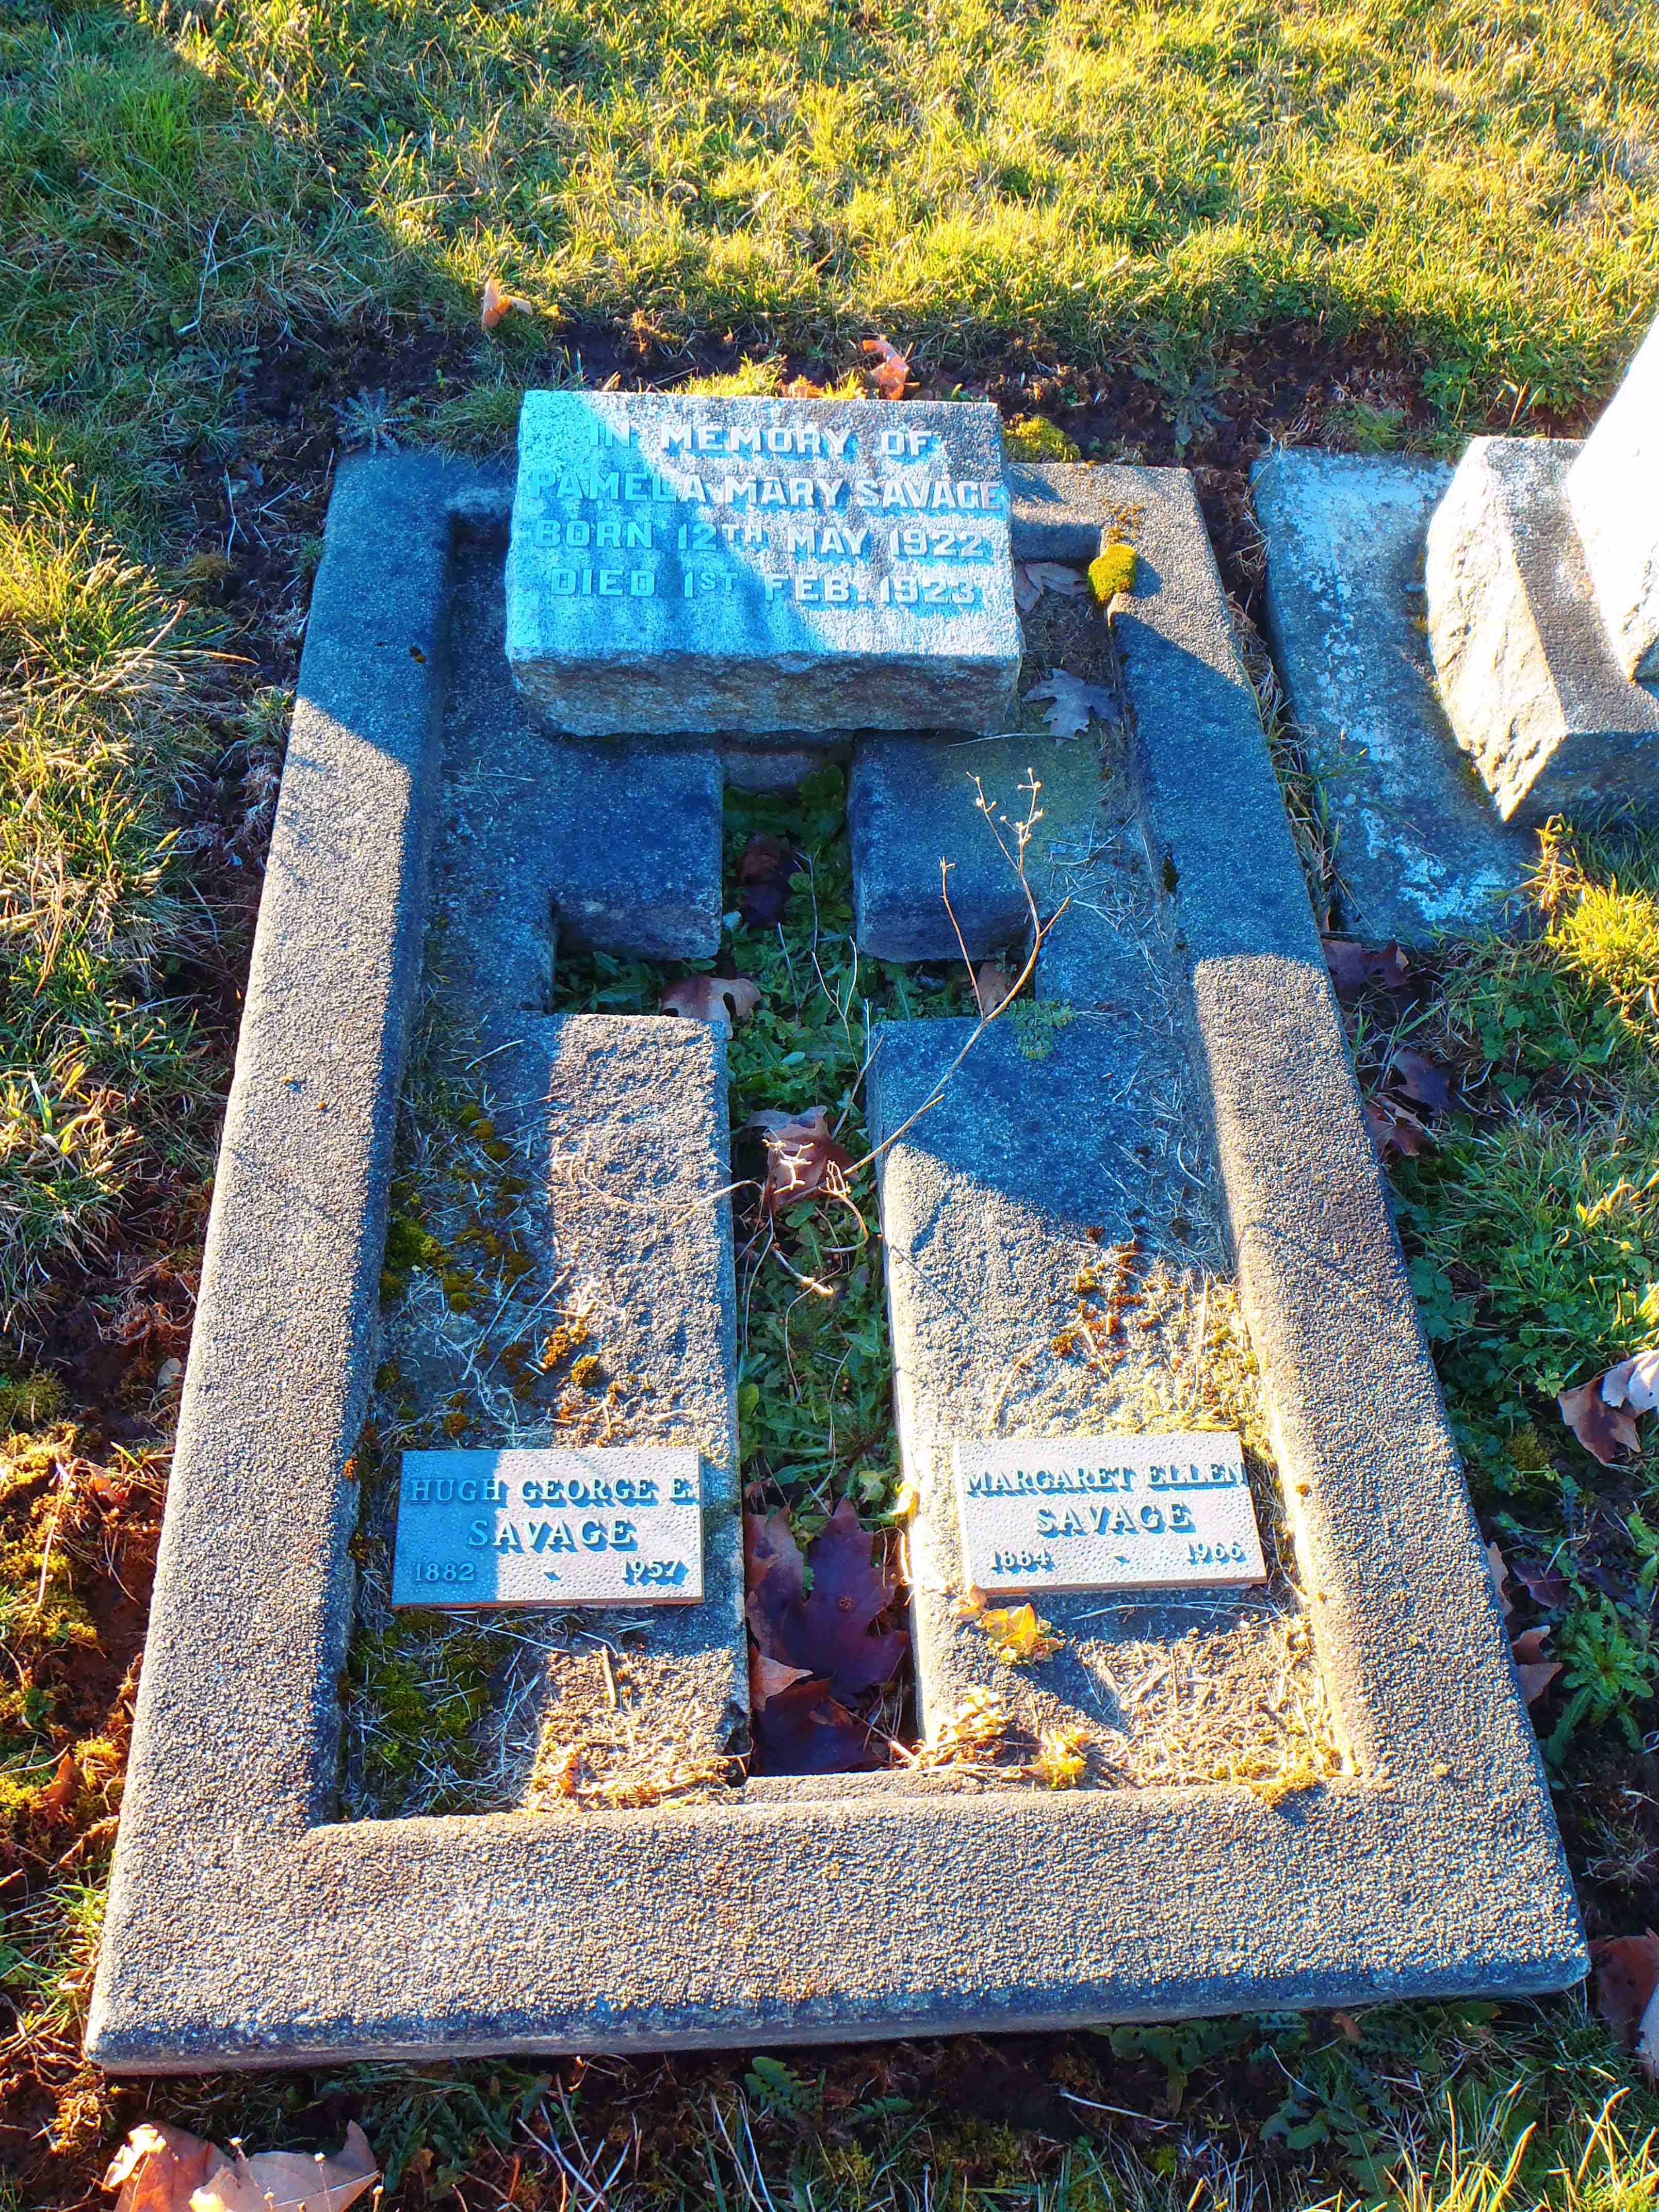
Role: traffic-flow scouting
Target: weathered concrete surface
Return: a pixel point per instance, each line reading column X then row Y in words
column 1613, row 490
column 1418, row 847
column 1064, row 510
column 911, row 802
column 771, row 564
column 1525, row 665
column 541, row 830
column 619, row 1128
column 246, row 1926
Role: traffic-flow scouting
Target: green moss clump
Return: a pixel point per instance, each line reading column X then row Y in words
column 1112, row 571
column 1035, row 438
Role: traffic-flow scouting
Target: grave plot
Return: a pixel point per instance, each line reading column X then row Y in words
column 1347, row 1804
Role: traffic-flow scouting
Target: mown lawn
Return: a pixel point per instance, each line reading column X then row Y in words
column 238, row 238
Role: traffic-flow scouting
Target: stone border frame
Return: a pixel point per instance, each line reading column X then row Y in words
column 246, row 1927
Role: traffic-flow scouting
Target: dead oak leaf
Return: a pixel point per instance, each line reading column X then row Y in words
column 1533, row 1670
column 1604, row 1430
column 498, row 302
column 165, row 2169
column 1396, row 1133
column 892, row 373
column 726, row 1000
column 765, row 869
column 993, row 986
column 802, row 1158
column 1354, row 967
column 1423, row 1080
column 1072, row 702
column 1033, row 578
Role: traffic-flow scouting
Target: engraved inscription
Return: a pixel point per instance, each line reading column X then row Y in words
column 611, row 1526
column 652, row 496
column 1095, row 1513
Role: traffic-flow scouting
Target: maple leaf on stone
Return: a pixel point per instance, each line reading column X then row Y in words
column 725, row 1001
column 498, row 302
column 1604, row 1430
column 892, row 374
column 1033, row 578
column 162, row 2168
column 802, row 1158
column 804, row 1730
column 1072, row 702
column 765, row 869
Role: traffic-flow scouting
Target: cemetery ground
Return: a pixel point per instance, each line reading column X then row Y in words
column 241, row 241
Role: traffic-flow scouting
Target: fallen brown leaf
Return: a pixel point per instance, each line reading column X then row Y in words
column 162, row 2168
column 1033, row 578
column 802, row 1158
column 498, row 302
column 765, row 870
column 1422, row 1079
column 768, row 1678
column 1396, row 1133
column 59, row 1796
column 1073, row 701
column 825, row 1631
column 1533, row 1670
column 1017, row 1632
column 993, row 986
column 1604, row 1430
column 892, row 373
column 726, row 1000
column 802, row 387
column 1354, row 967
column 1627, row 1975
column 1544, row 1586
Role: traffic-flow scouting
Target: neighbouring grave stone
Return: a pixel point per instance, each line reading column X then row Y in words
column 1612, row 489
column 1145, row 1202
column 1070, row 1514
column 549, row 1528
column 1462, row 653
column 689, row 564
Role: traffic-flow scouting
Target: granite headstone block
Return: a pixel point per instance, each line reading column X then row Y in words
column 682, row 564
column 1612, row 489
column 1523, row 650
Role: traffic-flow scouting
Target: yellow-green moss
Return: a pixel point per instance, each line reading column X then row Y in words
column 1112, row 571
column 1035, row 438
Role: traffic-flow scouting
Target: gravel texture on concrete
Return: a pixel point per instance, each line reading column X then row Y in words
column 248, row 1925
column 1418, row 848
column 1550, row 720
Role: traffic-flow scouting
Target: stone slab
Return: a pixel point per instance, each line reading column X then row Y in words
column 680, row 563
column 1418, row 848
column 541, row 1528
column 912, row 802
column 543, row 834
column 1524, row 660
column 1613, row 490
column 1063, row 1514
column 247, row 1925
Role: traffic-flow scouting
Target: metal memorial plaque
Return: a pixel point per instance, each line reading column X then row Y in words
column 549, row 1528
column 1064, row 1513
